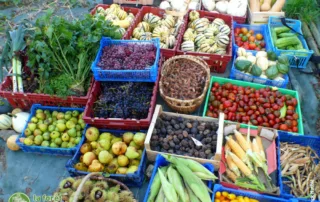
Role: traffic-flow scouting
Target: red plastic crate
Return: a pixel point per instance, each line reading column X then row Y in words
column 217, row 63
column 117, row 123
column 239, row 20
column 26, row 100
column 166, row 53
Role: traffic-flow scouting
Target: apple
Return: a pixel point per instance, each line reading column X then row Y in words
column 65, row 137
column 72, row 132
column 92, row 134
column 43, row 127
column 37, row 132
column 34, row 119
column 32, row 126
column 70, row 124
column 61, row 127
column 88, row 158
column 54, row 134
column 60, row 115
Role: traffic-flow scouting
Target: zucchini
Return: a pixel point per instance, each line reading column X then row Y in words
column 283, row 35
column 280, row 30
column 282, row 43
column 274, row 35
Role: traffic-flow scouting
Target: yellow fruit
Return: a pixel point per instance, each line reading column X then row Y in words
column 231, row 196
column 225, row 194
column 218, row 194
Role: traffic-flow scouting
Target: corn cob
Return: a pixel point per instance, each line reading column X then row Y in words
column 156, row 185
column 238, row 151
column 259, row 142
column 168, row 188
column 175, row 179
column 232, row 166
column 193, row 197
column 196, row 184
column 160, row 196
column 231, row 175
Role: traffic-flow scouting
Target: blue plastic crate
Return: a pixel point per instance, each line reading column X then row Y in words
column 161, row 161
column 238, row 75
column 131, row 180
column 147, row 75
column 311, row 141
column 297, row 59
column 253, row 195
column 262, row 29
column 49, row 150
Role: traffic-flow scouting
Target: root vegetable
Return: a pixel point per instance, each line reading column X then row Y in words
column 266, row 5
column 254, row 5
column 277, row 7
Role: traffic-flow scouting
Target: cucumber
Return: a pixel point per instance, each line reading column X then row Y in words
column 283, row 35
column 274, row 35
column 280, row 30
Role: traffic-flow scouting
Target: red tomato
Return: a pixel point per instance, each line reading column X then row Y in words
column 227, row 104
column 245, row 46
column 237, row 30
column 257, row 49
column 283, row 127
column 252, row 39
column 251, row 32
column 239, row 43
column 262, row 44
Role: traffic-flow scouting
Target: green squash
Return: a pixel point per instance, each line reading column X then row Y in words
column 282, row 68
column 255, row 70
column 272, row 72
column 283, row 59
column 243, row 65
column 272, row 56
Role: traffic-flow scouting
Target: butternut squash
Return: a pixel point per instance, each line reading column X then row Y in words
column 255, row 5
column 277, row 7
column 266, row 6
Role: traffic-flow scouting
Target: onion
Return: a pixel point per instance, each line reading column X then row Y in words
column 19, row 121
column 11, row 143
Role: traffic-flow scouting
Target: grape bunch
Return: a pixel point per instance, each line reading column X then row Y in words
column 127, row 57
column 124, row 100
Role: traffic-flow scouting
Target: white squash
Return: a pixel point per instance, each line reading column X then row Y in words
column 237, row 7
column 165, row 5
column 241, row 52
column 209, row 4
column 11, row 143
column 222, row 6
column 19, row 121
column 5, row 122
column 177, row 4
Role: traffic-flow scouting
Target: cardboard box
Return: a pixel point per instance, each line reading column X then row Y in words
column 261, row 17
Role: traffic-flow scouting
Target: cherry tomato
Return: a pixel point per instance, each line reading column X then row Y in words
column 251, row 32
column 252, row 46
column 252, row 39
column 244, row 38
column 294, row 129
column 295, row 116
column 283, row 127
column 259, row 37
column 257, row 49
column 237, row 30
column 262, row 44
column 244, row 30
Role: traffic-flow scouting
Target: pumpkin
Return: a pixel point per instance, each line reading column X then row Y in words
column 11, row 143
column 5, row 122
column 19, row 121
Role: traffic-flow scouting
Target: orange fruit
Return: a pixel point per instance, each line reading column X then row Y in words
column 259, row 37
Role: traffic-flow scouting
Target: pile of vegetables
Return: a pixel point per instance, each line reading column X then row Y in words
column 178, row 135
column 301, row 169
column 153, row 26
column 248, row 40
column 246, row 161
column 264, row 107
column 266, row 5
column 182, row 180
column 204, row 36
column 230, row 197
column 284, row 39
column 265, row 65
column 60, row 52
column 232, row 7
column 116, row 15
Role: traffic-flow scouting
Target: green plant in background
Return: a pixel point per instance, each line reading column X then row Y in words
column 305, row 10
column 62, row 47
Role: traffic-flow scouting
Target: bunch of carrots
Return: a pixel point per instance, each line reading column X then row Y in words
column 244, row 159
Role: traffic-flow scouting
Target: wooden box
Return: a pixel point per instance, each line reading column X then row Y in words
column 217, row 156
column 261, row 17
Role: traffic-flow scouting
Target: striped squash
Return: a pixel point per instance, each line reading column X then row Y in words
column 187, row 46
column 137, row 32
column 121, row 14
column 218, row 22
column 224, row 29
column 199, row 39
column 146, row 36
column 168, row 21
column 170, row 41
column 5, row 122
column 204, row 48
column 223, row 40
column 145, row 26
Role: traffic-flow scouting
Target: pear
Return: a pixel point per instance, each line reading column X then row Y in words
column 54, row 134
column 46, row 136
column 86, row 147
column 116, row 139
column 60, row 115
column 27, row 132
column 119, row 148
column 127, row 137
column 95, row 166
column 123, row 160
column 92, row 134
column 105, row 144
column 105, row 157
column 41, row 116
column 75, row 113
column 37, row 132
column 51, row 128
column 58, row 141
column 70, row 124
column 65, row 137
column 132, row 153
column 45, row 144
column 28, row 141
column 64, row 145
column 140, row 154
column 72, row 132
column 132, row 169
column 94, row 144
column 81, row 166
column 133, row 144
column 134, row 162
column 32, row 126
column 88, row 158
column 139, row 138
column 61, row 127
column 112, row 166
column 34, row 119
column 38, row 140
column 122, row 170
column 105, row 136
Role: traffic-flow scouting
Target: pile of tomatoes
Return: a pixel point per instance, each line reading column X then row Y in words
column 264, row 107
column 249, row 40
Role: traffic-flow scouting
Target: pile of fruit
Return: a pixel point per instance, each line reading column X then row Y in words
column 176, row 135
column 126, row 100
column 127, row 57
column 230, row 197
column 152, row 26
column 248, row 40
column 92, row 190
column 105, row 152
column 182, row 178
column 54, row 129
column 264, row 65
column 117, row 16
column 205, row 37
column 264, row 107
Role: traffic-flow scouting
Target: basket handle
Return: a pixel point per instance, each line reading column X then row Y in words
column 284, row 22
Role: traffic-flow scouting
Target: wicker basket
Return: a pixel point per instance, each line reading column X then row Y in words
column 97, row 177
column 184, row 106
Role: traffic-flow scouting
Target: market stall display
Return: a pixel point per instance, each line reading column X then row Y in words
column 259, row 12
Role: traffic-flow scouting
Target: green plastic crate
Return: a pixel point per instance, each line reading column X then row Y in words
column 256, row 86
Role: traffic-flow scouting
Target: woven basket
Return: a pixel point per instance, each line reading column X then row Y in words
column 97, row 177
column 184, row 106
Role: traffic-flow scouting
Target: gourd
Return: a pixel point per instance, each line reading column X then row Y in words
column 282, row 69
column 122, row 23
column 272, row 56
column 266, row 6
column 261, row 54
column 241, row 52
column 222, row 6
column 5, row 122
column 277, row 7
column 283, row 59
column 271, row 63
column 255, row 70
column 272, row 72
column 252, row 59
column 209, row 4
column 254, row 5
column 11, row 143
column 19, row 121
column 262, row 62
column 243, row 65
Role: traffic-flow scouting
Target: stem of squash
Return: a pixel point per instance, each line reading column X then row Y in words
column 14, row 77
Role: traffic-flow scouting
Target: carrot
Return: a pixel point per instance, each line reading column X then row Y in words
column 277, row 7
column 232, row 166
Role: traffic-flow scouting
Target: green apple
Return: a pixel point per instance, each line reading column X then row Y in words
column 75, row 113
column 67, row 116
column 72, row 132
column 43, row 127
column 80, row 121
column 38, row 140
column 79, row 133
column 54, row 119
column 31, row 137
column 46, row 136
column 27, row 132
column 61, row 121
column 34, row 119
column 54, row 114
column 106, row 136
column 39, row 111
column 78, row 127
column 60, row 115
column 37, row 132
column 68, row 112
column 83, row 125
column 70, row 124
column 41, row 116
column 53, row 145
column 32, row 126
column 65, row 137
column 48, row 121
column 40, row 122
column 51, row 128
column 72, row 139
column 28, row 141
column 54, row 134
column 58, row 141
column 46, row 111
column 45, row 143
column 56, row 129
column 64, row 145
column 54, row 123
column 71, row 145
column 81, row 115
column 77, row 141
column 74, row 120
column 61, row 127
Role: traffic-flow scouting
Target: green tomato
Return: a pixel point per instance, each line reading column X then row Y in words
column 244, row 38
